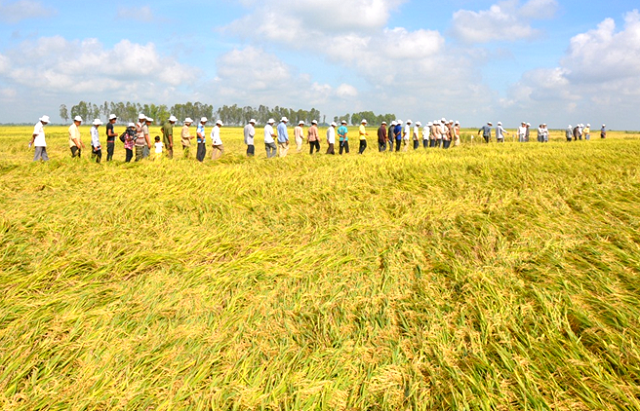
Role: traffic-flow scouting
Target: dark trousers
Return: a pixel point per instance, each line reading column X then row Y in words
column 486, row 139
column 76, row 152
column 331, row 150
column 97, row 154
column 398, row 143
column 382, row 146
column 202, row 151
column 139, row 152
column 390, row 142
column 111, row 145
column 129, row 155
column 251, row 150
column 363, row 146
column 416, row 144
column 344, row 147
column 446, row 144
column 312, row 145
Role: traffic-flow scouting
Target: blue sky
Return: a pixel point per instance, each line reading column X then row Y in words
column 555, row 61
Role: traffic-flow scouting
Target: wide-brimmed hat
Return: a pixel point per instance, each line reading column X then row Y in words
column 219, row 123
column 314, row 122
column 44, row 119
column 203, row 120
column 77, row 118
column 271, row 121
column 172, row 119
column 142, row 117
column 112, row 117
column 252, row 121
column 97, row 122
column 284, row 120
column 188, row 120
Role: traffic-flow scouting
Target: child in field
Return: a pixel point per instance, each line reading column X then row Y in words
column 158, row 145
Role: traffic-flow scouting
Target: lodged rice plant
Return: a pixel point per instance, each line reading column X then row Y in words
column 485, row 277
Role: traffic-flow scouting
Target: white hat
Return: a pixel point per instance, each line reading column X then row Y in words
column 271, row 121
column 314, row 122
column 364, row 121
column 384, row 122
column 44, row 119
column 333, row 124
column 528, row 125
column 188, row 120
column 203, row 120
column 131, row 125
column 408, row 121
column 399, row 122
column 343, row 122
column 394, row 123
column 142, row 117
column 418, row 124
column 569, row 126
column 457, row 123
column 252, row 121
column 149, row 119
column 219, row 123
column 284, row 120
column 112, row 117
column 604, row 125
column 489, row 123
column 173, row 119
column 429, row 124
column 444, row 120
column 588, row 125
column 77, row 118
column 300, row 122
column 97, row 122
column 451, row 121
column 499, row 123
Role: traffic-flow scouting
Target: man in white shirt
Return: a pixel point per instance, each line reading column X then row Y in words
column 331, row 138
column 522, row 133
column 406, row 135
column 416, row 135
column 426, row 134
column 249, row 134
column 96, row 147
column 216, row 142
column 38, row 140
column 500, row 132
column 298, row 133
column 269, row 139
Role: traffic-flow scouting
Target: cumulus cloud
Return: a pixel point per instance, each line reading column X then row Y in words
column 16, row 11
column 504, row 21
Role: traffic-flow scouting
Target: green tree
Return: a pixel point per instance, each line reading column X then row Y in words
column 64, row 113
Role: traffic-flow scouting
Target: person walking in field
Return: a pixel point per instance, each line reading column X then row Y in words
column 167, row 135
column 362, row 132
column 397, row 134
column 186, row 137
column 343, row 137
column 249, row 135
column 75, row 141
column 201, row 139
column 500, row 133
column 406, row 136
column 603, row 131
column 269, row 139
column 486, row 132
column 586, row 132
column 545, row 133
column 158, row 148
column 313, row 137
column 331, row 139
column 382, row 137
column 569, row 133
column 111, row 136
column 445, row 131
column 416, row 135
column 576, row 133
column 391, row 139
column 522, row 133
column 96, row 147
column 456, row 134
column 298, row 135
column 283, row 137
column 38, row 140
column 217, row 148
column 129, row 141
column 426, row 135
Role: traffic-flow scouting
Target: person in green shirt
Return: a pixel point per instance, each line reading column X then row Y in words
column 167, row 135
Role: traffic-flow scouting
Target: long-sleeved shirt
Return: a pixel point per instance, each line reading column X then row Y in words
column 215, row 136
column 569, row 133
column 95, row 137
column 382, row 134
column 426, row 133
column 522, row 132
column 499, row 133
column 268, row 134
column 312, row 133
column 283, row 134
column 331, row 135
column 486, row 131
column 249, row 134
column 298, row 133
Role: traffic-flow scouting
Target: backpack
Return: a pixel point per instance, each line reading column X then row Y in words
column 122, row 136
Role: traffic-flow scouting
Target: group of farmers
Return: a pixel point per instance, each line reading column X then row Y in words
column 394, row 137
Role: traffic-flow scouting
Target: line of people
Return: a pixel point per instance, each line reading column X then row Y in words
column 395, row 137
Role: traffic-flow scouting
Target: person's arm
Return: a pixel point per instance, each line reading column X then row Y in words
column 146, row 137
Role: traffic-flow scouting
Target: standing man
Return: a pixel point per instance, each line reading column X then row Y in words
column 576, row 133
column 313, row 137
column 397, row 133
column 500, row 132
column 362, row 132
column 436, row 137
column 382, row 137
column 343, row 137
column 249, row 135
column 486, row 132
column 448, row 134
column 456, row 134
column 75, row 142
column 201, row 140
column 283, row 137
column 38, row 140
column 146, row 150
column 269, row 139
column 416, row 135
column 406, row 136
column 603, row 131
column 186, row 137
column 331, row 138
column 426, row 134
column 96, row 147
column 167, row 135
column 522, row 132
column 142, row 137
column 217, row 149
column 586, row 132
column 298, row 134
column 545, row 133
column 111, row 137
column 391, row 139
column 444, row 132
column 526, row 139
column 569, row 133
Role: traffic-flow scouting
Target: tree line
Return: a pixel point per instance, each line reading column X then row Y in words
column 230, row 115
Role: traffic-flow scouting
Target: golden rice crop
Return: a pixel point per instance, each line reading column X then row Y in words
column 482, row 277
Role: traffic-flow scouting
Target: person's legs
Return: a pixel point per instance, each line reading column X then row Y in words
column 363, row 146
column 75, row 152
column 331, row 150
column 139, row 153
column 98, row 154
column 202, row 151
column 217, row 151
column 251, row 150
column 145, row 151
column 416, row 144
column 110, row 149
column 317, row 146
column 398, row 143
column 169, row 151
column 128, row 155
column 38, row 154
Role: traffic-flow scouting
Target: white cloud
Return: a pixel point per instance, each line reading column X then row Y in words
column 143, row 13
column 504, row 21
column 16, row 11
column 346, row 90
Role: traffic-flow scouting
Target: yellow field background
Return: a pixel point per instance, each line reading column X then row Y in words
column 484, row 277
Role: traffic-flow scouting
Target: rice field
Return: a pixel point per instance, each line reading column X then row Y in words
column 485, row 277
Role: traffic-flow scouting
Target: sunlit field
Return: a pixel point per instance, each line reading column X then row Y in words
column 484, row 277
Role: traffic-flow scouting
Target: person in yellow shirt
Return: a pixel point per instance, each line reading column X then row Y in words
column 75, row 142
column 363, row 136
column 586, row 132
